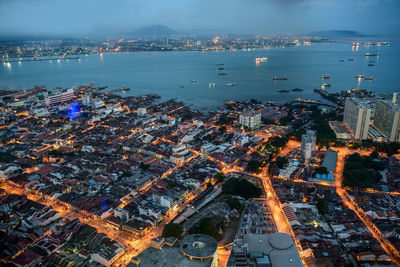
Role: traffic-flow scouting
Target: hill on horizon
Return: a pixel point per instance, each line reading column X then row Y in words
column 153, row 31
column 338, row 34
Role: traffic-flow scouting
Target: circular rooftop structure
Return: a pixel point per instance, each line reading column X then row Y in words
column 281, row 241
column 199, row 246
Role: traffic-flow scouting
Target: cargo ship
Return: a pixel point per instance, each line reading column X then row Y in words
column 297, row 90
column 325, row 77
column 261, row 59
column 369, row 78
column 360, row 76
column 371, row 54
column 230, row 84
column 275, row 78
column 283, row 91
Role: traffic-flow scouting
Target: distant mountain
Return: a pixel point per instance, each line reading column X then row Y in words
column 154, row 31
column 337, row 34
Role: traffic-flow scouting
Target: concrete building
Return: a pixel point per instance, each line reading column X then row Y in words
column 340, row 130
column 250, row 119
column 194, row 251
column 142, row 111
column 308, row 144
column 276, row 250
column 387, row 119
column 357, row 116
column 59, row 96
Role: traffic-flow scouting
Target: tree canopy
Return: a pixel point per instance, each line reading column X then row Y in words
column 361, row 172
column 241, row 187
column 172, row 229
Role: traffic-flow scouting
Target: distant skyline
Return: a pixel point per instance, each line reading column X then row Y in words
column 105, row 18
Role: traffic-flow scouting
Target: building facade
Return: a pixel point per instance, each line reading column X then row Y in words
column 60, row 97
column 387, row 119
column 308, row 141
column 250, row 119
column 357, row 116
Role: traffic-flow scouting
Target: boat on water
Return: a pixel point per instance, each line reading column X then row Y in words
column 371, row 61
column 369, row 78
column 351, row 59
column 230, row 84
column 297, row 90
column 182, row 86
column 275, row 78
column 371, row 54
column 261, row 59
column 325, row 77
column 325, row 85
column 220, row 68
column 219, row 64
column 371, row 64
column 193, row 81
column 360, row 76
column 222, row 73
column 341, row 60
column 211, row 85
column 283, row 91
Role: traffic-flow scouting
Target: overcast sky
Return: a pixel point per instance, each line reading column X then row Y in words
column 86, row 17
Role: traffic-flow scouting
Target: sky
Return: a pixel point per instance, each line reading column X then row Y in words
column 89, row 17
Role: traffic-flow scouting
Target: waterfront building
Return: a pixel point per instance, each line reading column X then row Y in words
column 387, row 119
column 357, row 116
column 308, row 144
column 250, row 119
column 59, row 96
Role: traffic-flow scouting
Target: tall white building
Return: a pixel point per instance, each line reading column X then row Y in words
column 250, row 119
column 387, row 118
column 308, row 141
column 357, row 116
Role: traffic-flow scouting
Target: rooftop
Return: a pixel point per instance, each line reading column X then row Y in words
column 201, row 246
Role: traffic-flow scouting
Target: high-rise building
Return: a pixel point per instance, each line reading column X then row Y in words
column 308, row 141
column 250, row 119
column 387, row 119
column 357, row 116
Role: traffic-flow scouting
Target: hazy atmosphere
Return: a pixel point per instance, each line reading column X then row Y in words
column 101, row 17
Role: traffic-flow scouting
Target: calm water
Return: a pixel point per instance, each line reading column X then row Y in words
column 165, row 73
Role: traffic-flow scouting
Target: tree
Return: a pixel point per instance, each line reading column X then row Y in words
column 6, row 157
column 322, row 205
column 234, row 203
column 219, row 177
column 286, row 119
column 254, row 166
column 374, row 155
column 322, row 170
column 281, row 162
column 144, row 166
column 241, row 187
column 172, row 229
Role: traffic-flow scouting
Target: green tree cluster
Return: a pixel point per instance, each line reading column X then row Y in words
column 241, row 187
column 322, row 205
column 234, row 203
column 6, row 157
column 219, row 177
column 207, row 227
column 275, row 143
column 361, row 172
column 172, row 229
column 254, row 166
column 322, row 170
